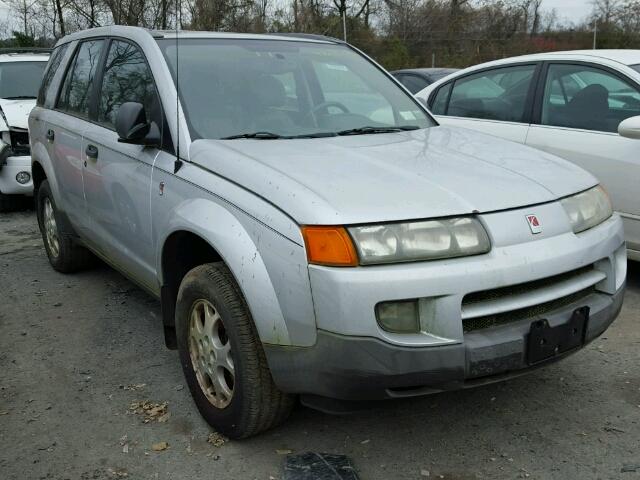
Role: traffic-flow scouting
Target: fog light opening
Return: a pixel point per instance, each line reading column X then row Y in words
column 399, row 316
column 23, row 177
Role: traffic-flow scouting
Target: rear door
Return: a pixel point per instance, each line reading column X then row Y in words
column 496, row 101
column 65, row 126
column 577, row 115
column 120, row 174
column 42, row 114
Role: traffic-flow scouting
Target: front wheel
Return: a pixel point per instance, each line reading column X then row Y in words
column 222, row 357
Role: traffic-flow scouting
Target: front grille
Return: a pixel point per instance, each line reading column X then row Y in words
column 20, row 142
column 498, row 306
column 488, row 321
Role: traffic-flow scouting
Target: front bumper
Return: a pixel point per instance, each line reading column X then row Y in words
column 361, row 368
column 354, row 359
column 8, row 183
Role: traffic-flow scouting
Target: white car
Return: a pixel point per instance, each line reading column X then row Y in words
column 581, row 105
column 20, row 78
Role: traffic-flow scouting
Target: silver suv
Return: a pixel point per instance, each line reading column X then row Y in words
column 307, row 225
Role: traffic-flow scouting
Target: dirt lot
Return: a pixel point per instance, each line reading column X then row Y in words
column 76, row 352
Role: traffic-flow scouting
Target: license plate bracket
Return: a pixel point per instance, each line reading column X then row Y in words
column 545, row 342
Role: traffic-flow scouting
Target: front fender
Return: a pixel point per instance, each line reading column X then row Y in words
column 226, row 234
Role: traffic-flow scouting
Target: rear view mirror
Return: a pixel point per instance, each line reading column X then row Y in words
column 132, row 125
column 630, row 128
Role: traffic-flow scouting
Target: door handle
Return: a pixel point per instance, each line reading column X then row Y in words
column 92, row 151
column 51, row 135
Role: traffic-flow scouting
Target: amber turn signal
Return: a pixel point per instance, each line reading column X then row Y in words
column 329, row 245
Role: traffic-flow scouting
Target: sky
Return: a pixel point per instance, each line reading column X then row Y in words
column 569, row 11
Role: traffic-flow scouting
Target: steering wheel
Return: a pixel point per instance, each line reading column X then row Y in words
column 322, row 105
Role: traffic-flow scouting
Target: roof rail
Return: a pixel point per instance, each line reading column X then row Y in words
column 310, row 36
column 24, row 50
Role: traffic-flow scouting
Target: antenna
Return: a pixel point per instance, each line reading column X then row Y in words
column 178, row 163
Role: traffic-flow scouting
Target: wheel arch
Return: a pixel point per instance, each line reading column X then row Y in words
column 42, row 169
column 209, row 233
column 38, row 175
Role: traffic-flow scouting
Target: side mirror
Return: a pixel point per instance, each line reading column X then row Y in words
column 132, row 126
column 630, row 128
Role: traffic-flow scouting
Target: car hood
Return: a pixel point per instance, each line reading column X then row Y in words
column 434, row 172
column 16, row 112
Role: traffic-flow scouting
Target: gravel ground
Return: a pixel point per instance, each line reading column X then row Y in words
column 76, row 351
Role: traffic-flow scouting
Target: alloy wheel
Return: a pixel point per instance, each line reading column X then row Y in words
column 51, row 228
column 210, row 352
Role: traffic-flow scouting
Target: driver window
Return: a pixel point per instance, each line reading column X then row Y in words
column 579, row 96
column 498, row 94
column 126, row 78
column 350, row 94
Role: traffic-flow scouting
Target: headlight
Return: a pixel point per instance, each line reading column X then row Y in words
column 424, row 240
column 587, row 209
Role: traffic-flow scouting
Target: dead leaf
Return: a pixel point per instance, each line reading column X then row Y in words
column 216, row 439
column 135, row 386
column 124, row 441
column 284, row 451
column 150, row 411
column 163, row 418
column 160, row 446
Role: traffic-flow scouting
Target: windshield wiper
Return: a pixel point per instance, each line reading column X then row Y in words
column 21, row 97
column 316, row 135
column 367, row 130
column 256, row 135
column 275, row 136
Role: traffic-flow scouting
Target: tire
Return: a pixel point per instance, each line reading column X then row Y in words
column 255, row 403
column 64, row 255
column 11, row 203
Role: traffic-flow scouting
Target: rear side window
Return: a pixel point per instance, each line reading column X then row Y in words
column 126, row 78
column 498, row 94
column 413, row 83
column 52, row 67
column 76, row 90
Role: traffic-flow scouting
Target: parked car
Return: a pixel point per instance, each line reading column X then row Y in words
column 416, row 79
column 308, row 227
column 20, row 77
column 583, row 106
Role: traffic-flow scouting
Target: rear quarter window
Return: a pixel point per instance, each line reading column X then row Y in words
column 52, row 67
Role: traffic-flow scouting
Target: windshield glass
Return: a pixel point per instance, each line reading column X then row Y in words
column 20, row 79
column 285, row 89
column 636, row 67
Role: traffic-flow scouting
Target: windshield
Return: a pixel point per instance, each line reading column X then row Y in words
column 636, row 67
column 237, row 88
column 20, row 79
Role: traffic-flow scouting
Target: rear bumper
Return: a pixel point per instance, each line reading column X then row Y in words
column 364, row 368
column 8, row 183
